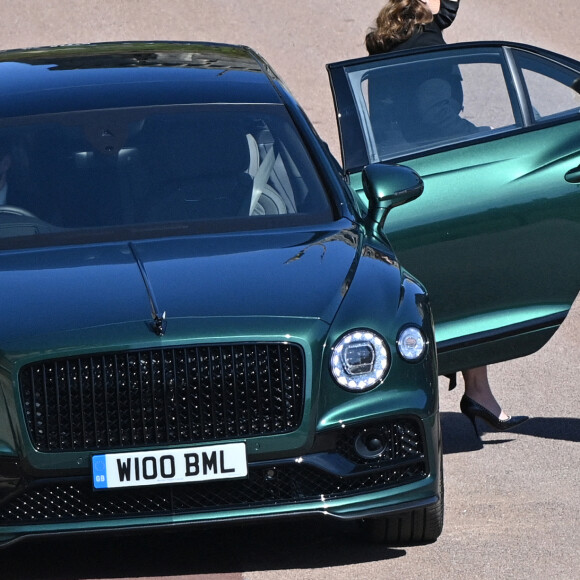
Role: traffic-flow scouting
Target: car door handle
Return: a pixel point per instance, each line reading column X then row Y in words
column 573, row 176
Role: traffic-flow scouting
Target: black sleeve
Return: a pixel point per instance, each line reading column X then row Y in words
column 447, row 13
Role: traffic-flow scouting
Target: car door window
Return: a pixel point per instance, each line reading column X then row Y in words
column 549, row 87
column 486, row 100
column 410, row 106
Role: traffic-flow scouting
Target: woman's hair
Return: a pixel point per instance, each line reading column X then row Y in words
column 396, row 22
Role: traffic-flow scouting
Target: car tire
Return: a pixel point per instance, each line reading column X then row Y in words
column 420, row 526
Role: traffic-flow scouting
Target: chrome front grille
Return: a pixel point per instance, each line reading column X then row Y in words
column 163, row 396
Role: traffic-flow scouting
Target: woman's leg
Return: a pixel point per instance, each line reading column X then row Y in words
column 478, row 389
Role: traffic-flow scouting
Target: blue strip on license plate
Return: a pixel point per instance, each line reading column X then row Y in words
column 160, row 467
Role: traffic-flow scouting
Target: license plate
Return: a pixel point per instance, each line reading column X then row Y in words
column 160, row 467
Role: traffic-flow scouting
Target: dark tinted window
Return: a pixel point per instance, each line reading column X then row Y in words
column 139, row 172
column 409, row 104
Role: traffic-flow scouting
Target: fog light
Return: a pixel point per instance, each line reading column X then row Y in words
column 370, row 444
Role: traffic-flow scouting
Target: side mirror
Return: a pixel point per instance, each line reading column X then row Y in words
column 388, row 186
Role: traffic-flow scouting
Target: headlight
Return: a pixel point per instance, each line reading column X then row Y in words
column 411, row 344
column 360, row 360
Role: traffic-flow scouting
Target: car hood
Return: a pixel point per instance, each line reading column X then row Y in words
column 70, row 289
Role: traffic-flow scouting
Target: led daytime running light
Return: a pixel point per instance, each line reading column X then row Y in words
column 360, row 360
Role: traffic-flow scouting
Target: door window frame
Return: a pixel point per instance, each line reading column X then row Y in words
column 358, row 145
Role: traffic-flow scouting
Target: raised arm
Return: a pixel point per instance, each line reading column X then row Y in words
column 447, row 13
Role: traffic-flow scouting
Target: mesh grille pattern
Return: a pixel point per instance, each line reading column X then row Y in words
column 401, row 440
column 163, row 396
column 265, row 486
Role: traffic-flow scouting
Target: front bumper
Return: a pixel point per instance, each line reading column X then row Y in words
column 339, row 477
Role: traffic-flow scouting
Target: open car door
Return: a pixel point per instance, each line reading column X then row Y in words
column 494, row 130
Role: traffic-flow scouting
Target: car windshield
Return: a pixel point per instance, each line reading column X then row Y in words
column 131, row 173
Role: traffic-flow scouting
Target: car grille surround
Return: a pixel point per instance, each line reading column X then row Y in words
column 164, row 396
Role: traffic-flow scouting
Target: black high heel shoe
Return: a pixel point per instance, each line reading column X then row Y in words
column 472, row 409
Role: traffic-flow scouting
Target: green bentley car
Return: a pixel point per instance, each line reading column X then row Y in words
column 206, row 319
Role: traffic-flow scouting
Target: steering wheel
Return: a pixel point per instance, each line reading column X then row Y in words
column 13, row 210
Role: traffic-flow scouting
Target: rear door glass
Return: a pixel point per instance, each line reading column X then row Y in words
column 551, row 88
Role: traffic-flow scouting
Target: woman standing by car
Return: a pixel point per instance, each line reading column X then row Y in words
column 405, row 24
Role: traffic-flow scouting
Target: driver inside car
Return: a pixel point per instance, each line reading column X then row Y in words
column 22, row 210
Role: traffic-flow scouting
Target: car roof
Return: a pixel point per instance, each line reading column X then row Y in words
column 129, row 74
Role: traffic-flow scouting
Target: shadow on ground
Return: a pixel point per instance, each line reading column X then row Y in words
column 285, row 545
column 459, row 436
